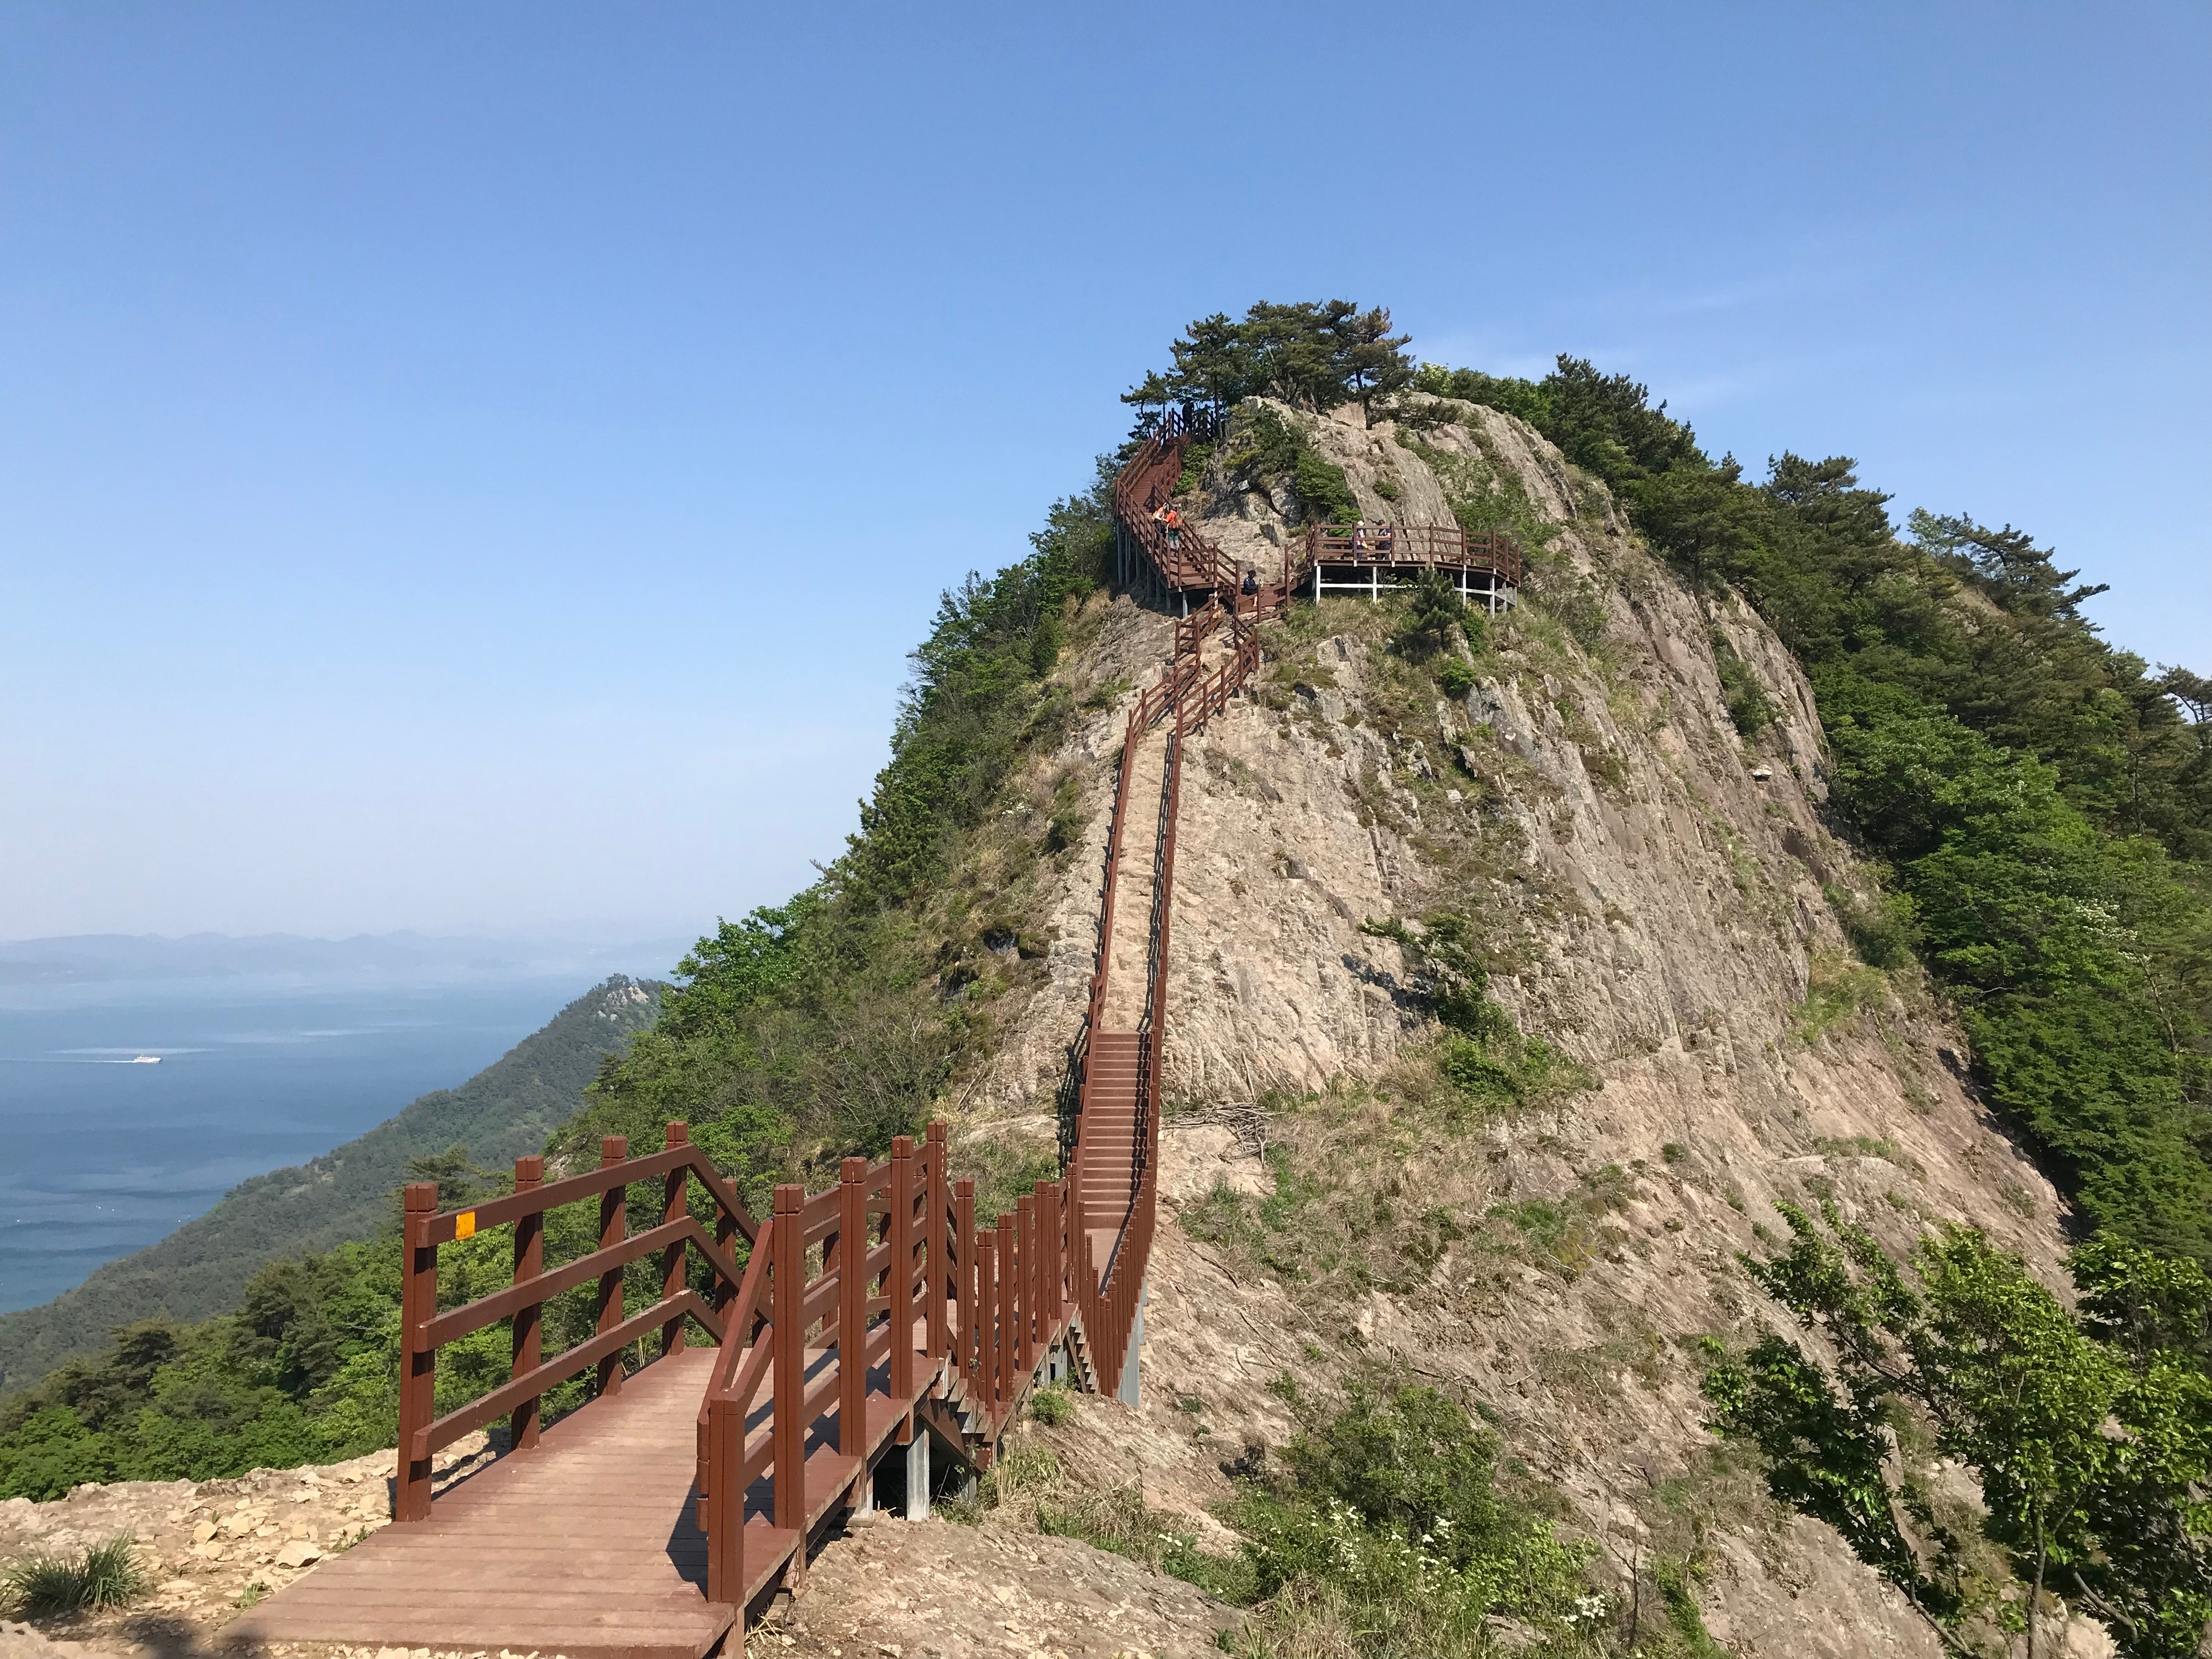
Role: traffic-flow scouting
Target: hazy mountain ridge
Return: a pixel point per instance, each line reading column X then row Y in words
column 93, row 958
column 507, row 1109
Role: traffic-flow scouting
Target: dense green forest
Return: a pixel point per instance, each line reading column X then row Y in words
column 2043, row 799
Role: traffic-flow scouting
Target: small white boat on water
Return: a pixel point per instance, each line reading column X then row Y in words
column 147, row 1060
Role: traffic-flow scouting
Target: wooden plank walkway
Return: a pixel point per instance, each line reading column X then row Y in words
column 586, row 1545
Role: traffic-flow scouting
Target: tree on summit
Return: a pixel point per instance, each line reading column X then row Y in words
column 1314, row 355
column 1374, row 360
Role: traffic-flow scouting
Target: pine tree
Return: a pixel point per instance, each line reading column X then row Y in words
column 1371, row 361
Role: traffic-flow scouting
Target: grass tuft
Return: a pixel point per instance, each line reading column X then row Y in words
column 46, row 1586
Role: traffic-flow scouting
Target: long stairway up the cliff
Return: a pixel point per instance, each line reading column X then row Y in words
column 881, row 1325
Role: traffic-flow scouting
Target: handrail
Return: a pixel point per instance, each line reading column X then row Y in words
column 1149, row 482
column 423, row 1330
column 907, row 1289
column 1415, row 544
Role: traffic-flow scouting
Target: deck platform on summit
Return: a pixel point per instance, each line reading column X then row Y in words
column 586, row 1545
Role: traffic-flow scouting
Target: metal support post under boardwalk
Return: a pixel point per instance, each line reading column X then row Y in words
column 1126, row 1393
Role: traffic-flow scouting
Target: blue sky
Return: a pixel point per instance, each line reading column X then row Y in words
column 483, row 466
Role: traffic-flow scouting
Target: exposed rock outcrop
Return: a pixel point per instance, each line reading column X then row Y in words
column 1651, row 891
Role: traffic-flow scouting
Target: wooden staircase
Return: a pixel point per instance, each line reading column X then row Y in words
column 1114, row 1081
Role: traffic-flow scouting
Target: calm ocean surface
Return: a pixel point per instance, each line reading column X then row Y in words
column 99, row 1156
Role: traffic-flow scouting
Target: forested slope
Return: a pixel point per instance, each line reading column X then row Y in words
column 2042, row 798
column 201, row 1269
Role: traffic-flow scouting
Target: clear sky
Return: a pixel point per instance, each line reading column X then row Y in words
column 483, row 466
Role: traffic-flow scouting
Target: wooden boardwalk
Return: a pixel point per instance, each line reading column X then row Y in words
column 586, row 1545
column 644, row 1524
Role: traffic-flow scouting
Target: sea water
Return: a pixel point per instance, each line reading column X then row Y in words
column 100, row 1156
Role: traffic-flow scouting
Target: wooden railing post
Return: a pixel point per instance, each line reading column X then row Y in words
column 1086, row 1299
column 1047, row 1267
column 1008, row 1342
column 725, row 1506
column 612, row 1224
column 852, row 1307
column 529, row 1263
column 987, row 1309
column 899, row 1281
column 674, row 1205
column 934, row 1229
column 964, row 1276
column 1030, row 1242
column 418, row 1381
column 788, row 1263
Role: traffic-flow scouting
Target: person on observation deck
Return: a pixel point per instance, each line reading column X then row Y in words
column 1360, row 537
column 1382, row 538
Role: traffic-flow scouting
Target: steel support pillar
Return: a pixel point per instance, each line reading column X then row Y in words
column 1126, row 1393
column 917, row 1475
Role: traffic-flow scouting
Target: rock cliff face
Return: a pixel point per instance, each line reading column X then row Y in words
column 1651, row 891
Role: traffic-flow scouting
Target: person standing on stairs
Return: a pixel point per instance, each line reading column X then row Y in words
column 1171, row 522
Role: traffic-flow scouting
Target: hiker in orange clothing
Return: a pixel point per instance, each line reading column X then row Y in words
column 1171, row 522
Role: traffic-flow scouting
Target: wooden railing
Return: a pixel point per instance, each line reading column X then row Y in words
column 423, row 1329
column 1414, row 544
column 872, row 1230
column 1150, row 480
column 1200, row 421
column 889, row 1268
column 1145, row 485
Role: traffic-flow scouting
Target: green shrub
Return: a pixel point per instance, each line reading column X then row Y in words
column 1506, row 1069
column 1433, row 616
column 1474, row 1072
column 44, row 1586
column 1883, row 930
column 1052, row 1405
column 1748, row 704
column 1454, row 678
column 1324, row 493
column 1263, row 442
column 1392, row 1524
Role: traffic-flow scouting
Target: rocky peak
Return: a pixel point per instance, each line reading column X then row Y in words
column 1654, row 892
